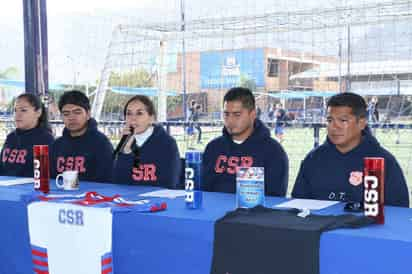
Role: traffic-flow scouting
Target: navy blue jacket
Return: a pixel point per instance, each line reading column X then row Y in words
column 222, row 156
column 17, row 152
column 90, row 154
column 160, row 163
column 324, row 173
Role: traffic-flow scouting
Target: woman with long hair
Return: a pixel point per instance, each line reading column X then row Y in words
column 32, row 128
column 147, row 154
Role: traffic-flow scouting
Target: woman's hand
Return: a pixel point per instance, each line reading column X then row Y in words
column 128, row 131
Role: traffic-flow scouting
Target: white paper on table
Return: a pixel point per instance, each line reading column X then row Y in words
column 307, row 204
column 18, row 181
column 164, row 193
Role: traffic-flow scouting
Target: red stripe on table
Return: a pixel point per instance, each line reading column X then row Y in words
column 39, row 253
column 107, row 261
column 41, row 263
column 38, row 271
column 107, row 270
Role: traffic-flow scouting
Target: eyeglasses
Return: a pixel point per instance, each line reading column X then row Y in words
column 136, row 151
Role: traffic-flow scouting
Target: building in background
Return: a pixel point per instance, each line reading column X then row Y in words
column 209, row 74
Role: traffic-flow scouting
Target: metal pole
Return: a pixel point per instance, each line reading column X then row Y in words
column 162, row 97
column 39, row 54
column 182, row 13
column 44, row 51
column 348, row 76
column 29, row 47
column 35, row 48
column 340, row 66
column 101, row 90
column 316, row 131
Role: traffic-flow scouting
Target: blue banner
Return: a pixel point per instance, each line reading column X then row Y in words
column 225, row 69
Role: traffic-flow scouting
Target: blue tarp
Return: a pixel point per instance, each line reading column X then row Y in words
column 298, row 94
column 21, row 84
column 142, row 91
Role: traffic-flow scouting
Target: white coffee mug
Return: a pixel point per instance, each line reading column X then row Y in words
column 70, row 180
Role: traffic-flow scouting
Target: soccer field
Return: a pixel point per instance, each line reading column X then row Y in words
column 299, row 141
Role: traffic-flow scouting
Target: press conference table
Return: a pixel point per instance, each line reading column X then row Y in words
column 180, row 241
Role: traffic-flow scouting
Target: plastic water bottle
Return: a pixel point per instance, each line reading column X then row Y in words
column 193, row 179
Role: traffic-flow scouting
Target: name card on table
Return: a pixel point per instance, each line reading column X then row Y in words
column 250, row 187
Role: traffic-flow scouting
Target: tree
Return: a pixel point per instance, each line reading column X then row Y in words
column 114, row 102
column 246, row 82
column 9, row 73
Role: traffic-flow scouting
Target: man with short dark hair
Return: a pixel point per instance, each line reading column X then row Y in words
column 333, row 171
column 245, row 142
column 82, row 147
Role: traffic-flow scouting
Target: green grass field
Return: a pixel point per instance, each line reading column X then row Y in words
column 299, row 141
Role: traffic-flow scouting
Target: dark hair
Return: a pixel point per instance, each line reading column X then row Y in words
column 352, row 100
column 241, row 94
column 35, row 102
column 145, row 101
column 74, row 97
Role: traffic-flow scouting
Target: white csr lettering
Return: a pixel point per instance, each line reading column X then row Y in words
column 373, row 180
column 371, row 196
column 189, row 197
column 190, row 173
column 371, row 210
column 36, row 164
column 189, row 184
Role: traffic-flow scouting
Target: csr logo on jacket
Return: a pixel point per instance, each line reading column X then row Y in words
column 229, row 164
column 71, row 163
column 14, row 156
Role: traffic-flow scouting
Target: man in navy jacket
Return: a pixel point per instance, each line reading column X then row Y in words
column 82, row 147
column 245, row 142
column 333, row 171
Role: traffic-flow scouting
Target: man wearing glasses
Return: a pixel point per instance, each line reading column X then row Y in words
column 82, row 147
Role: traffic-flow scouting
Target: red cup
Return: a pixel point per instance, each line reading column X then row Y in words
column 41, row 170
column 373, row 183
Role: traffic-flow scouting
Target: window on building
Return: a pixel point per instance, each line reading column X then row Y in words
column 273, row 67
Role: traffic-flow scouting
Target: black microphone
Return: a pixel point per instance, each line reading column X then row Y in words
column 122, row 142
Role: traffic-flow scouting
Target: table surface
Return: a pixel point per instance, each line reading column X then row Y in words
column 180, row 240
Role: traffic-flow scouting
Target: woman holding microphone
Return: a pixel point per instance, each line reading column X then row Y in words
column 146, row 154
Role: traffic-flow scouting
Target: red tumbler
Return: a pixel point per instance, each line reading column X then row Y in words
column 373, row 182
column 41, row 168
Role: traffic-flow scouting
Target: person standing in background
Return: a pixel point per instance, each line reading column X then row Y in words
column 194, row 118
column 373, row 113
column 280, row 115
